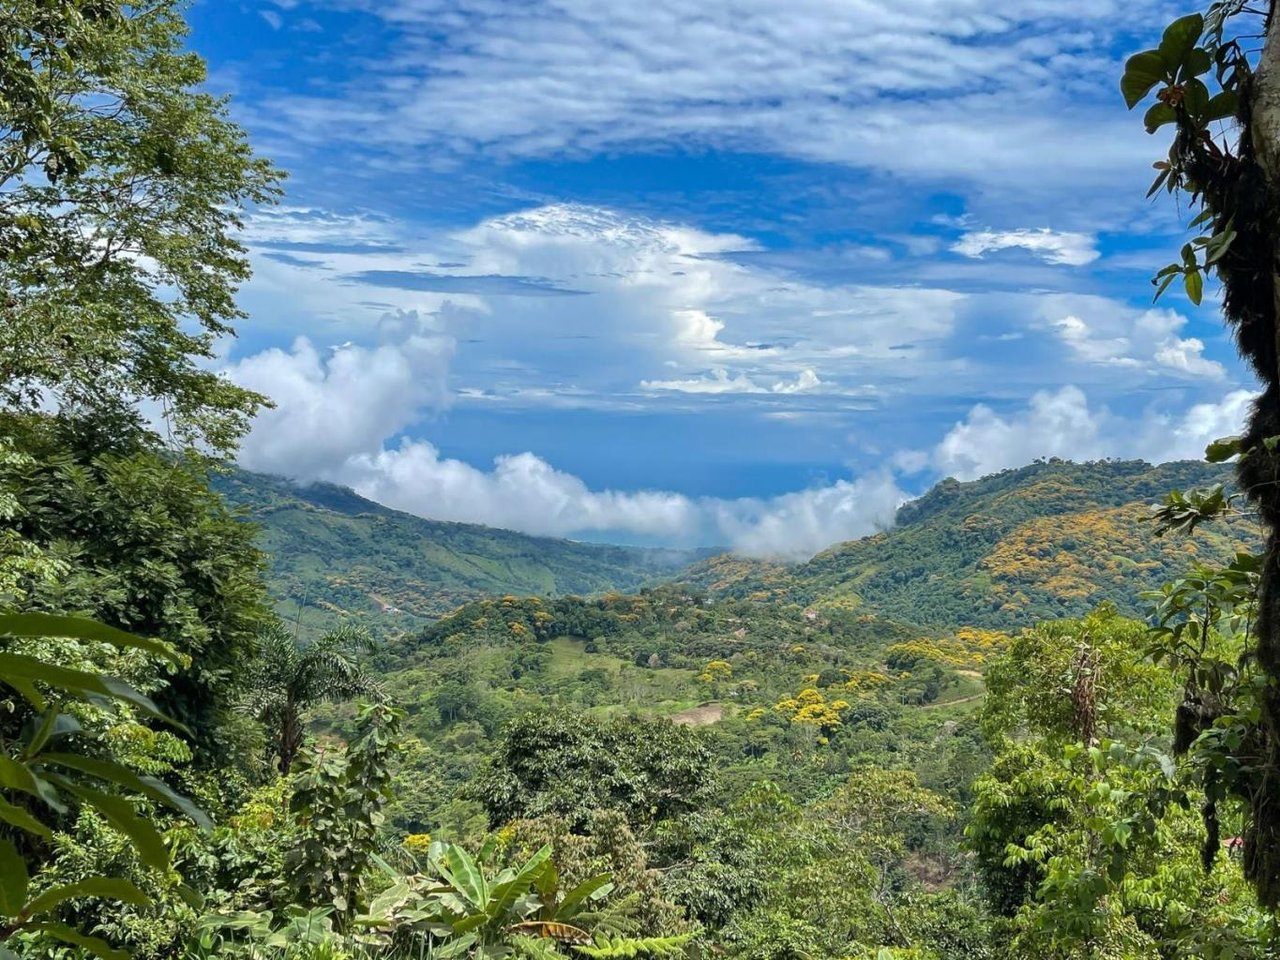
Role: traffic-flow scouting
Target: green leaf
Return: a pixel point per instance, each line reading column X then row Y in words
column 40, row 736
column 190, row 897
column 1142, row 71
column 107, row 888
column 1179, row 41
column 1221, row 106
column 15, row 816
column 98, row 947
column 124, row 777
column 505, row 894
column 1158, row 182
column 78, row 683
column 13, row 880
column 592, row 889
column 122, row 815
column 1198, row 62
column 1154, row 119
column 1195, row 98
column 457, row 867
column 1222, row 450
column 1193, row 281
column 36, row 625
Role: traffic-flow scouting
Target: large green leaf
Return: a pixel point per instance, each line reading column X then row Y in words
column 107, row 888
column 505, row 894
column 1158, row 116
column 592, row 889
column 1179, row 40
column 1193, row 281
column 95, row 945
column 16, row 816
column 1142, row 71
column 120, row 813
column 81, row 628
column 14, row 879
column 124, row 777
column 462, row 872
column 1222, row 449
column 78, row 683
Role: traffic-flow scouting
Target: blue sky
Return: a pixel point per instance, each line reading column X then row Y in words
column 744, row 272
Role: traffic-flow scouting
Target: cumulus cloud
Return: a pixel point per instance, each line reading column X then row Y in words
column 339, row 411
column 332, row 404
column 649, row 296
column 521, row 492
column 1061, row 423
column 1070, row 249
column 1054, row 424
column 524, row 492
column 1107, row 333
column 798, row 525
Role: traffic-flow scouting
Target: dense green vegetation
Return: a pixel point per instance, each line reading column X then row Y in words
column 1051, row 539
column 841, row 761
column 1048, row 540
column 334, row 554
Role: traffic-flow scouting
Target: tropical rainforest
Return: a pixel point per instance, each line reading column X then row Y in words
column 241, row 718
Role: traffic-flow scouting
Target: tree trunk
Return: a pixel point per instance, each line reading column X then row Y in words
column 1260, row 467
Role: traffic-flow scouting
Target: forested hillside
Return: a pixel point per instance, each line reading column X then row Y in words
column 1050, row 539
column 335, row 554
column 1019, row 725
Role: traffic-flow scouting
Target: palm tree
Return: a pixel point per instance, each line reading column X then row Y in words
column 294, row 675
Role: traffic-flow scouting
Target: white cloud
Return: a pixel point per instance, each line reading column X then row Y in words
column 720, row 381
column 1185, row 436
column 1070, row 249
column 943, row 88
column 1116, row 335
column 334, row 404
column 1054, row 424
column 522, row 492
column 798, row 525
column 646, row 296
column 1061, row 423
column 340, row 410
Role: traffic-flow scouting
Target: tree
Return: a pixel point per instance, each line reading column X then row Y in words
column 290, row 676
column 136, row 540
column 557, row 763
column 1225, row 156
column 121, row 191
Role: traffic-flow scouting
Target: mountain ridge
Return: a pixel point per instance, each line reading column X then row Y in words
column 333, row 553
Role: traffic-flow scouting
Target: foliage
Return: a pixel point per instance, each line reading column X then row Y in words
column 1219, row 91
column 136, row 540
column 46, row 771
column 567, row 765
column 290, row 676
column 123, row 190
column 338, row 802
column 1044, row 541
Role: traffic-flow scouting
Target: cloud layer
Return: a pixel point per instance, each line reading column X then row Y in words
column 338, row 413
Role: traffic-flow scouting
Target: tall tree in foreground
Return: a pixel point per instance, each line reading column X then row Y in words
column 121, row 191
column 1220, row 93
